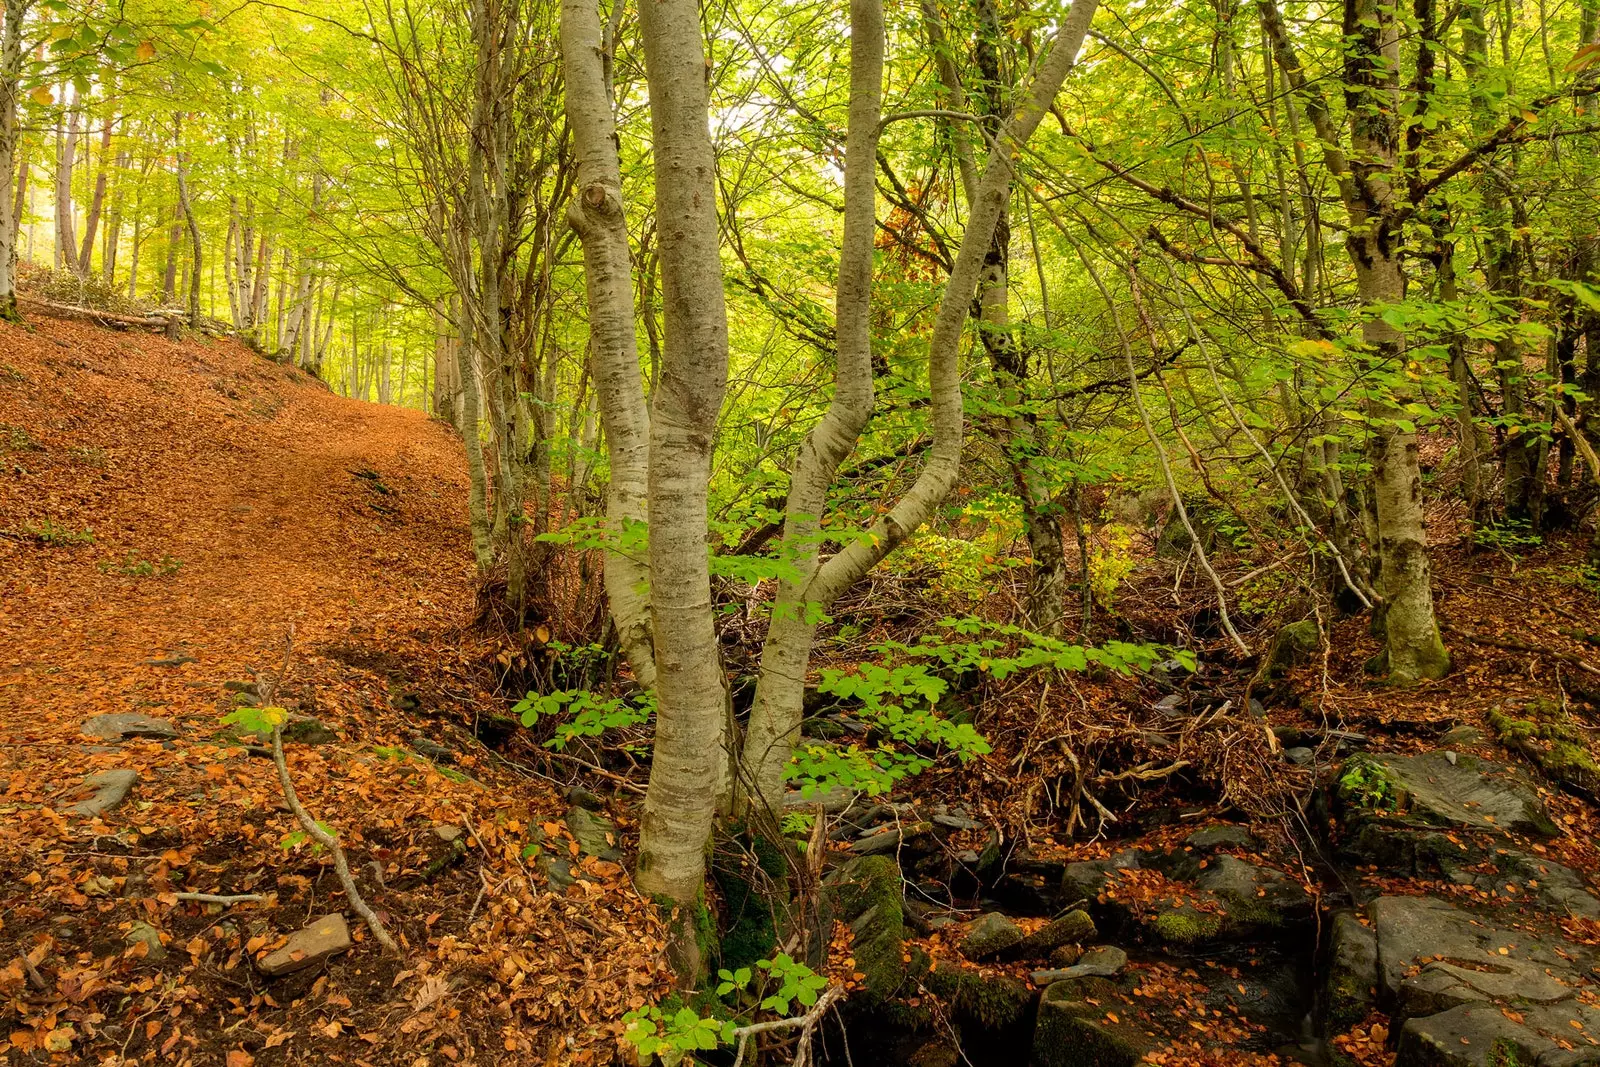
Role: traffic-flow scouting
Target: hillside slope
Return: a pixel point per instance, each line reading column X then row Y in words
column 168, row 511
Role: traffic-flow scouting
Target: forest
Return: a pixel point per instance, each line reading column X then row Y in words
column 958, row 532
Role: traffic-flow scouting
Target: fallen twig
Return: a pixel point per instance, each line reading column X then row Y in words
column 220, row 898
column 805, row 1023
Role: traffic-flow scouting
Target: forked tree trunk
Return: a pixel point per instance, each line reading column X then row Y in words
column 596, row 213
column 687, row 771
column 775, row 718
column 196, row 249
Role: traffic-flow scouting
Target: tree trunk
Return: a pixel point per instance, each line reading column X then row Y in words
column 185, row 201
column 596, row 213
column 687, row 771
column 91, row 224
column 10, row 84
column 66, row 224
column 775, row 718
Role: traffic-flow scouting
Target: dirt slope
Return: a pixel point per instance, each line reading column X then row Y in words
column 167, row 512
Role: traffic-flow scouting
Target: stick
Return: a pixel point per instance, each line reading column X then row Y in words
column 1522, row 646
column 806, row 1023
column 220, row 898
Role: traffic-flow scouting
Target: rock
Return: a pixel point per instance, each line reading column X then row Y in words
column 1107, row 961
column 447, row 833
column 308, row 731
column 594, row 833
column 1256, row 899
column 1352, row 982
column 142, row 933
column 936, row 1053
column 833, row 801
column 1428, row 790
column 1084, row 879
column 556, row 870
column 956, row 822
column 1172, row 705
column 1299, row 755
column 326, row 937
column 580, row 797
column 989, row 935
column 112, row 788
column 1221, row 835
column 1073, row 928
column 1482, row 1035
column 1294, row 645
column 1461, row 735
column 1063, row 956
column 1184, row 926
column 979, row 1000
column 870, row 887
column 435, row 752
column 876, row 844
column 1074, row 1033
column 120, row 726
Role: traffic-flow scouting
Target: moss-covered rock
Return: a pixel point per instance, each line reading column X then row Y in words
column 1071, row 1032
column 866, row 893
column 990, row 1002
column 1294, row 645
column 1547, row 736
column 1352, row 981
column 1186, row 925
column 989, row 935
column 1073, row 928
column 750, row 873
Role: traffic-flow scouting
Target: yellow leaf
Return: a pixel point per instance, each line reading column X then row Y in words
column 146, row 51
column 42, row 96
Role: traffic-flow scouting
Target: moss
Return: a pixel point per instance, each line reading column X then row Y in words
column 992, row 1002
column 1072, row 1033
column 1506, row 1053
column 752, row 899
column 867, row 893
column 1294, row 645
column 1186, row 926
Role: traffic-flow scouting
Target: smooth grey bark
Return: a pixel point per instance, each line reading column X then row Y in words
column 186, row 202
column 775, row 718
column 596, row 213
column 10, row 84
column 688, row 768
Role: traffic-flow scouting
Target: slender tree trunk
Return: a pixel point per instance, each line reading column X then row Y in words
column 185, row 201
column 10, row 86
column 66, row 224
column 775, row 717
column 91, row 224
column 596, row 213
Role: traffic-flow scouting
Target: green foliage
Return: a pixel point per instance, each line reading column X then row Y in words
column 256, row 720
column 654, row 1033
column 587, row 715
column 1510, row 537
column 49, row 532
column 134, row 567
column 1366, row 783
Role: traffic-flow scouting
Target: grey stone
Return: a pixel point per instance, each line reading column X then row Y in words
column 433, row 751
column 1294, row 645
column 1299, row 755
column 1255, row 898
column 111, row 788
column 142, row 933
column 326, row 937
column 557, row 871
column 989, row 935
column 1483, row 1035
column 1221, row 835
column 121, row 726
column 1461, row 736
column 876, row 843
column 833, row 801
column 1107, row 961
column 594, row 833
column 956, row 822
column 1430, row 790
column 1352, row 982
column 308, row 731
column 447, row 833
column 1084, row 879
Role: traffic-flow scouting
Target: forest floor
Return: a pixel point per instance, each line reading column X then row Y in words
column 168, row 513
column 171, row 512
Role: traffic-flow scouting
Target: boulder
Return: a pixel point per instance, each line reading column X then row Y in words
column 1256, row 899
column 111, row 788
column 1484, row 1035
column 123, row 726
column 979, row 1000
column 1072, row 1032
column 326, row 937
column 989, row 935
column 142, row 933
column 1294, row 645
column 1221, row 835
column 866, row 893
column 1430, row 790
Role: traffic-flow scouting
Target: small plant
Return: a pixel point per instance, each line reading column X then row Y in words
column 590, row 715
column 653, row 1033
column 1511, row 538
column 52, row 533
column 1366, row 783
column 797, row 824
column 134, row 567
column 89, row 455
column 18, row 439
column 1110, row 563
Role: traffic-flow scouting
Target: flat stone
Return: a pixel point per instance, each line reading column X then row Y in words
column 111, row 788
column 876, row 844
column 1107, row 961
column 1222, row 835
column 956, row 822
column 447, row 833
column 1299, row 755
column 1429, row 789
column 833, row 801
column 326, row 937
column 1352, row 982
column 1483, row 1035
column 1254, row 897
column 1071, row 1032
column 120, row 726
column 989, row 935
